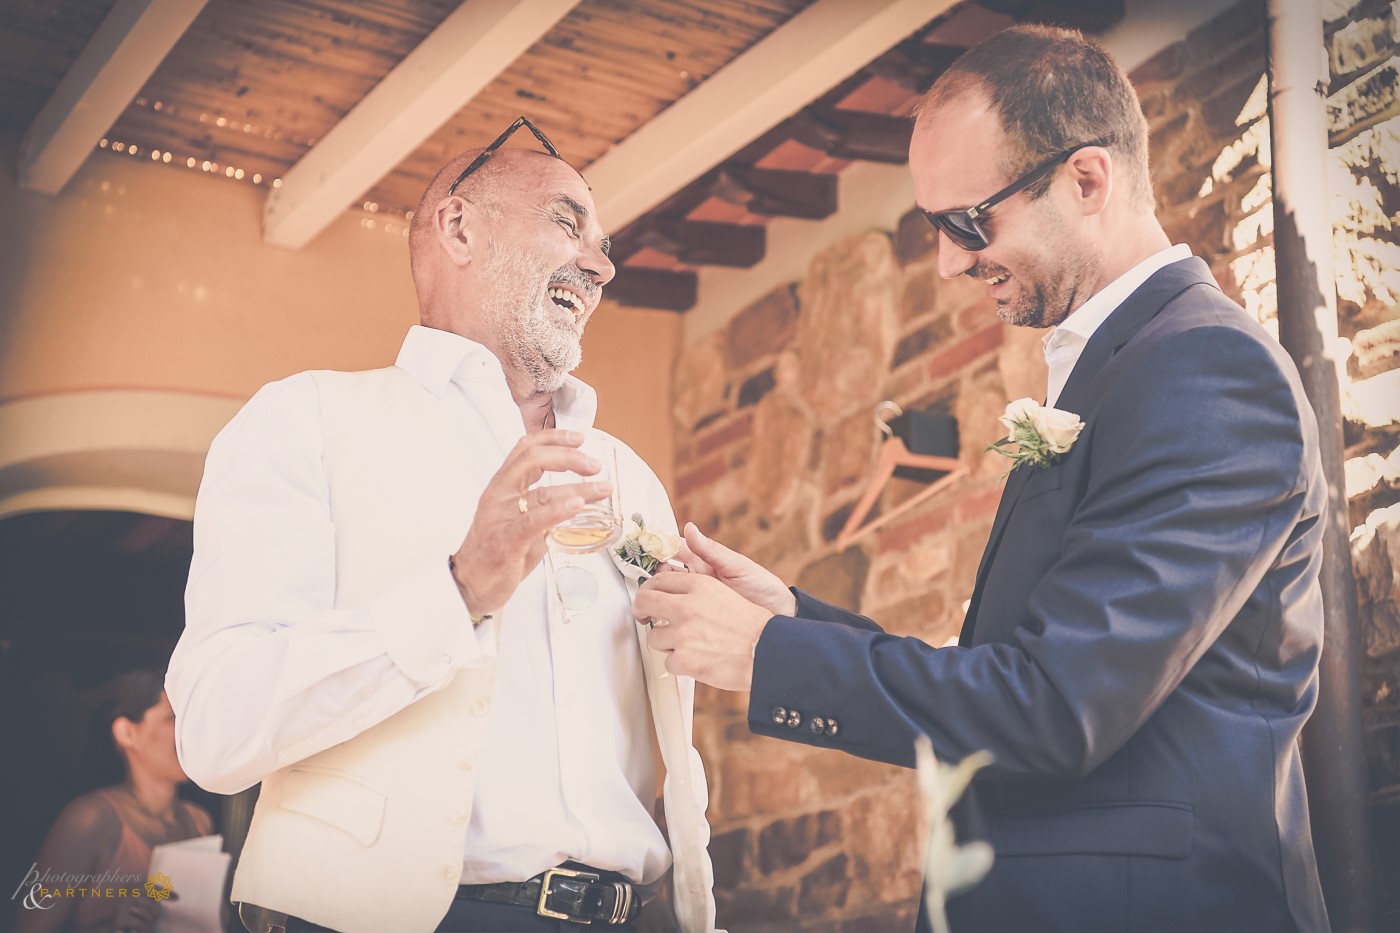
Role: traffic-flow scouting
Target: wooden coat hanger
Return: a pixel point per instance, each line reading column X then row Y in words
column 894, row 454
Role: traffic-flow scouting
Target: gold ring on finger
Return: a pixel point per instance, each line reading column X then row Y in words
column 522, row 504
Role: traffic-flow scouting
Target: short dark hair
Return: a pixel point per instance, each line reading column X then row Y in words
column 1053, row 89
column 126, row 696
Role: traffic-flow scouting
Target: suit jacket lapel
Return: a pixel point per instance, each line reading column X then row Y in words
column 1014, row 483
column 1115, row 332
column 693, row 872
column 1123, row 324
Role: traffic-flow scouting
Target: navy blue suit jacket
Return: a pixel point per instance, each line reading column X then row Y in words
column 1140, row 652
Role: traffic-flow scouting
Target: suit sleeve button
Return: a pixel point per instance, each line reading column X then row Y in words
column 794, row 719
column 779, row 715
column 818, row 725
column 832, row 726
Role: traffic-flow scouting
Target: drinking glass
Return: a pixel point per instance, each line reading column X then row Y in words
column 599, row 524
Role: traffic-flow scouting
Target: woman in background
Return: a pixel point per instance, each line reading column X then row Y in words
column 113, row 829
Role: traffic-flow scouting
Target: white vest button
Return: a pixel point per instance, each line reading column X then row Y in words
column 451, row 871
column 465, row 765
column 480, row 708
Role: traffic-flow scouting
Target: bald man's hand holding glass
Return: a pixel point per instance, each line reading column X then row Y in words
column 507, row 540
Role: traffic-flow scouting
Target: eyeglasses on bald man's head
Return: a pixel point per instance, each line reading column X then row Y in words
column 486, row 153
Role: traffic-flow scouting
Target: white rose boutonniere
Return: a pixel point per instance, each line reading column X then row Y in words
column 1036, row 435
column 647, row 549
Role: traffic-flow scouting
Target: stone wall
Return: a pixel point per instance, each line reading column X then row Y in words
column 1206, row 105
column 775, row 442
column 1205, row 100
column 1364, row 183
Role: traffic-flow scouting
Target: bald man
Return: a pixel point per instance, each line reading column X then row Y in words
column 376, row 633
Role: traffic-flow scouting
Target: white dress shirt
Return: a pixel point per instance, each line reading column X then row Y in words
column 1064, row 344
column 569, row 771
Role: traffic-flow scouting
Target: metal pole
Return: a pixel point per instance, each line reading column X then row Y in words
column 1333, row 741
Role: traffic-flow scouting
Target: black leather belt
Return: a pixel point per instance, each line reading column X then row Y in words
column 579, row 896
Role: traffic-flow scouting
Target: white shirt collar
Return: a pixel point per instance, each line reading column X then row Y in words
column 438, row 358
column 1085, row 320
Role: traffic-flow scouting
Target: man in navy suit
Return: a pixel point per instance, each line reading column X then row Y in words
column 1141, row 648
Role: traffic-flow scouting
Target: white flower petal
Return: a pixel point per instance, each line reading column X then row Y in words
column 1059, row 429
column 1023, row 409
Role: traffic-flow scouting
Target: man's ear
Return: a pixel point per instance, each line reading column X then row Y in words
column 452, row 224
column 1092, row 170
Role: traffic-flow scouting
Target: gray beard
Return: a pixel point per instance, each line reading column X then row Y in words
column 537, row 342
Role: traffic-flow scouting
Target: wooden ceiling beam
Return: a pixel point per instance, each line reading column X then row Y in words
column 777, row 192
column 654, row 288
column 794, row 65
column 915, row 64
column 112, row 68
column 844, row 134
column 1088, row 15
column 764, row 191
column 854, row 134
column 474, row 44
column 694, row 242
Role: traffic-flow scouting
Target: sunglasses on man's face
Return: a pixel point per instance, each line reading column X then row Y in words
column 486, row 153
column 964, row 228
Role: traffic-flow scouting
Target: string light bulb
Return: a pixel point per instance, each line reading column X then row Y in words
column 229, row 171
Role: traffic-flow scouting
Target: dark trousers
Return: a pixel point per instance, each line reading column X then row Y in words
column 468, row 916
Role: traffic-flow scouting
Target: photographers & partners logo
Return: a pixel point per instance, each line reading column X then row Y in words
column 41, row 890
